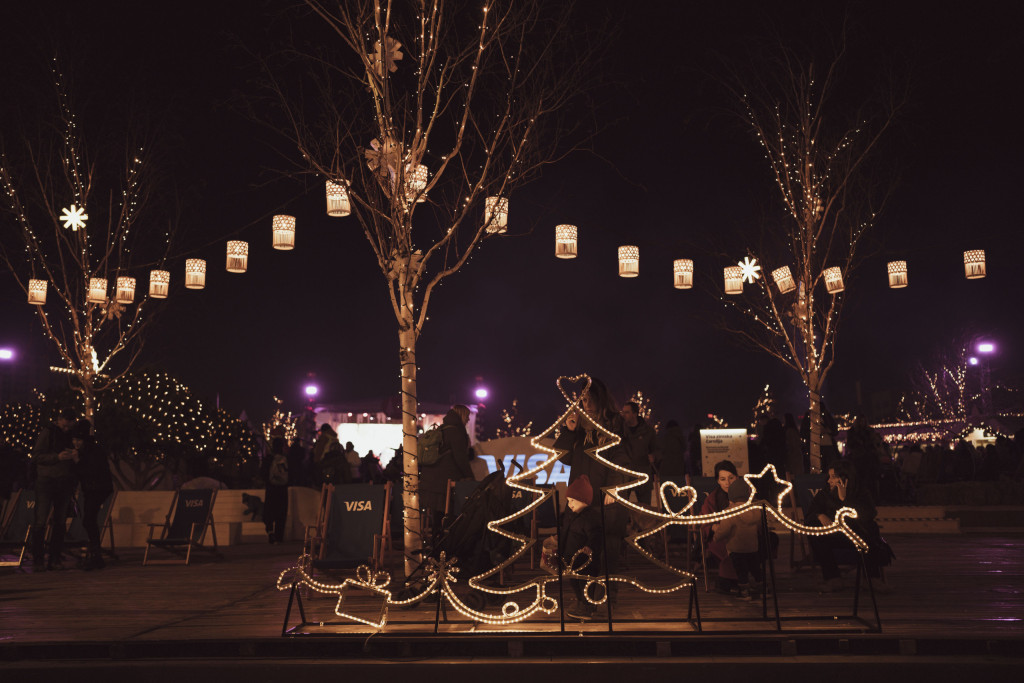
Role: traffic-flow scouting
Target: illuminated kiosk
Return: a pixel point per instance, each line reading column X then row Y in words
column 535, row 613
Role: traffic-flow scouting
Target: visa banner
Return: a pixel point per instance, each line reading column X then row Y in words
column 516, row 454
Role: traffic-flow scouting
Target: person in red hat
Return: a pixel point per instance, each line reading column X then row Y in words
column 581, row 530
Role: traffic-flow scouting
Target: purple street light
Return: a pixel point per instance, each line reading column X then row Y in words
column 972, row 360
column 480, row 393
column 986, row 347
column 311, row 390
column 6, row 354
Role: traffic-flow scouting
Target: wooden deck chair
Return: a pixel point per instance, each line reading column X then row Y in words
column 805, row 486
column 544, row 521
column 314, row 536
column 16, row 527
column 76, row 541
column 184, row 529
column 355, row 521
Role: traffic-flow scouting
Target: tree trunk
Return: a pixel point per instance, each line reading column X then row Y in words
column 411, row 536
column 814, row 415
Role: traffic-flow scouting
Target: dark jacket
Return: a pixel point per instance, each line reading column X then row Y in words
column 672, row 446
column 576, row 442
column 46, row 454
column 93, row 468
column 453, row 464
column 641, row 442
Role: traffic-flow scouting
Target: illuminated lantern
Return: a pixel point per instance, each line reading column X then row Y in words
column 37, row 292
column 784, row 279
column 565, row 241
column 496, row 214
column 337, row 199
column 415, row 182
column 97, row 291
column 974, row 264
column 682, row 270
column 125, row 292
column 238, row 256
column 195, row 273
column 159, row 283
column 284, row 232
column 833, row 279
column 733, row 280
column 629, row 261
column 897, row 274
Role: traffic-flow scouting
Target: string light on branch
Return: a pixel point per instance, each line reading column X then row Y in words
column 195, row 273
column 897, row 274
column 338, row 204
column 97, row 293
column 125, row 292
column 974, row 264
column 496, row 214
column 37, row 292
column 238, row 256
column 159, row 283
column 784, row 279
column 682, row 273
column 416, row 182
column 565, row 241
column 733, row 279
column 284, row 232
column 833, row 279
column 629, row 260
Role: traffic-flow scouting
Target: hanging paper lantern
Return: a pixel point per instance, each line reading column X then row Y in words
column 682, row 270
column 415, row 182
column 195, row 273
column 784, row 279
column 565, row 241
column 337, row 199
column 159, row 283
column 496, row 214
column 833, row 279
column 733, row 280
column 37, row 292
column 125, row 292
column 974, row 264
column 629, row 261
column 284, row 232
column 238, row 256
column 897, row 274
column 97, row 291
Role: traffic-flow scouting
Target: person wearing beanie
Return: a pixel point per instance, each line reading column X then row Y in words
column 580, row 493
column 581, row 530
column 739, row 533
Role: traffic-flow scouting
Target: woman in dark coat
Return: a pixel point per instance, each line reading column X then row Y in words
column 453, row 464
column 93, row 472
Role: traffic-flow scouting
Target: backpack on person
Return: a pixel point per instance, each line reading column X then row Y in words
column 430, row 444
column 278, row 475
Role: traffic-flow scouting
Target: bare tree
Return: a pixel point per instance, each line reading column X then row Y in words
column 431, row 110
column 74, row 228
column 816, row 145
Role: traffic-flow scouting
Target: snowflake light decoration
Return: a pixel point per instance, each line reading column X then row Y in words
column 749, row 268
column 74, row 217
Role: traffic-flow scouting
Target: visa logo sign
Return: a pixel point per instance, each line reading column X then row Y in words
column 358, row 505
column 196, row 503
column 559, row 472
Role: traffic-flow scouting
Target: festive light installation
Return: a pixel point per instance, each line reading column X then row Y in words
column 338, row 203
column 784, row 279
column 159, row 283
column 37, row 292
column 74, row 217
column 749, row 269
column 565, row 241
column 97, row 291
column 195, row 273
column 284, row 232
column 496, row 214
column 416, row 182
column 733, row 279
column 897, row 274
column 682, row 273
column 974, row 264
column 833, row 279
column 124, row 293
column 629, row 261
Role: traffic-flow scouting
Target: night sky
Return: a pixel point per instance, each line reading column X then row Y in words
column 672, row 170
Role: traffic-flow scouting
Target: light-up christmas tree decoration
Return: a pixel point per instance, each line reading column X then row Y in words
column 764, row 409
column 477, row 123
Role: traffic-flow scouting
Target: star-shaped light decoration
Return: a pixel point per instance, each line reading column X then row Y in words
column 74, row 217
column 386, row 58
column 749, row 268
